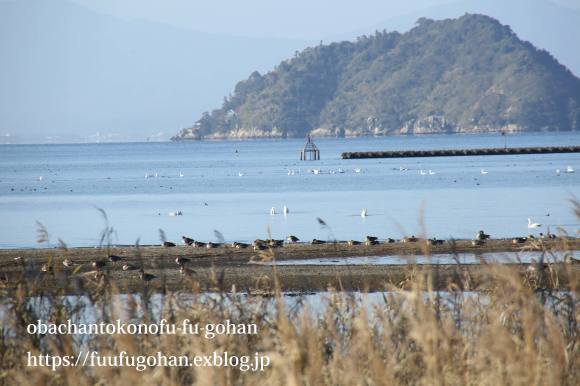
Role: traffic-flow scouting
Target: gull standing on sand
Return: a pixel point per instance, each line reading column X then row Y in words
column 533, row 224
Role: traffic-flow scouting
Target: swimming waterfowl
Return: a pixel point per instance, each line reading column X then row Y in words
column 168, row 244
column 292, row 239
column 187, row 240
column 181, row 261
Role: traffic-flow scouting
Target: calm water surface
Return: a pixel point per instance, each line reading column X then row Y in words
column 230, row 186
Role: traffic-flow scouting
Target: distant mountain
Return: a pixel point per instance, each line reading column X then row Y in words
column 470, row 74
column 546, row 25
column 69, row 73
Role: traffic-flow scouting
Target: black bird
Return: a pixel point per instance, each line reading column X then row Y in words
column 482, row 236
column 212, row 245
column 371, row 238
column 292, row 239
column 316, row 241
column 477, row 242
column 198, row 244
column 146, row 277
column 129, row 267
column 519, row 240
column 390, row 240
column 240, row 245
column 372, row 242
column 187, row 240
column 181, row 261
column 275, row 243
column 168, row 244
column 259, row 242
column 259, row 247
column 410, row 239
column 99, row 264
column 115, row 258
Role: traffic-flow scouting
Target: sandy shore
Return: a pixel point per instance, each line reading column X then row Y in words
column 224, row 267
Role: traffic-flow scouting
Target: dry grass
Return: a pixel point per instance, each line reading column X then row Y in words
column 516, row 333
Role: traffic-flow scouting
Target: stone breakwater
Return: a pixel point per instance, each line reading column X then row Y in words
column 460, row 152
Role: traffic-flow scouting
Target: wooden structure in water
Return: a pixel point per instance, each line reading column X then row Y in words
column 461, row 152
column 310, row 151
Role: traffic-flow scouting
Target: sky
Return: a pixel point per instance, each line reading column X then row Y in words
column 119, row 70
column 297, row 19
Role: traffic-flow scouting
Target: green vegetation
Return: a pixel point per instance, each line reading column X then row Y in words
column 470, row 74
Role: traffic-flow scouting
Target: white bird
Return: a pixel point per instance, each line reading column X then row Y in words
column 316, row 171
column 340, row 170
column 484, row 172
column 272, row 211
column 557, row 172
column 431, row 172
column 357, row 170
column 146, row 175
column 181, row 174
column 40, row 178
column 422, row 172
column 570, row 169
column 240, row 174
column 286, row 211
column 533, row 224
column 156, row 175
column 363, row 213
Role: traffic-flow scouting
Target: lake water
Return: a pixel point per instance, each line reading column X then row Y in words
column 230, row 186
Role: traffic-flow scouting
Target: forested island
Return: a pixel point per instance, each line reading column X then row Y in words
column 465, row 75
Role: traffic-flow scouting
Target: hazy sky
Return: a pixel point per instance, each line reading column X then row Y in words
column 303, row 19
column 136, row 69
